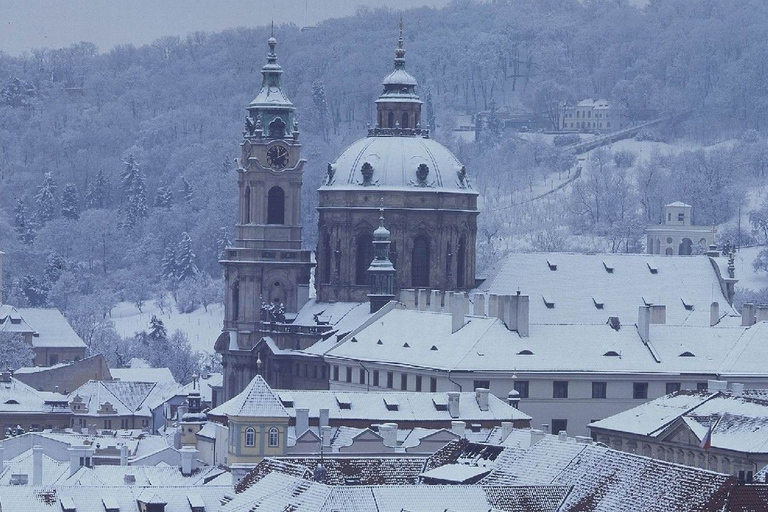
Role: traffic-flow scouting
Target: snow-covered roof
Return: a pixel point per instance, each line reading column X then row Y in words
column 423, row 339
column 741, row 422
column 405, row 406
column 205, row 386
column 145, row 476
column 679, row 204
column 395, row 161
column 18, row 398
column 21, row 464
column 256, row 400
column 577, row 283
column 51, row 327
column 142, row 374
column 126, row 397
column 456, row 473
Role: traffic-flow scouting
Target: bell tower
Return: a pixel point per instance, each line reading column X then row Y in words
column 266, row 271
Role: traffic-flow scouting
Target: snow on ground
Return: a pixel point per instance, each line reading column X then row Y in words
column 748, row 277
column 201, row 327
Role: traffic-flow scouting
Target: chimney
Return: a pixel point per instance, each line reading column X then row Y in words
column 435, row 301
column 408, row 298
column 458, row 307
column 513, row 398
column 478, row 306
column 583, row 439
column 124, row 455
column 325, row 433
column 188, row 460
column 422, row 300
column 447, row 301
column 37, row 465
column 658, row 314
column 323, row 418
column 1, row 277
column 493, row 307
column 717, row 385
column 545, row 428
column 643, row 323
column 737, row 388
column 78, row 456
column 453, row 403
column 481, row 394
column 762, row 313
column 506, row 430
column 536, row 436
column 509, row 305
column 523, row 315
column 302, row 421
column 2, row 458
column 712, row 251
column 129, row 479
column 748, row 314
column 562, row 436
column 714, row 314
column 388, row 431
column 459, row 428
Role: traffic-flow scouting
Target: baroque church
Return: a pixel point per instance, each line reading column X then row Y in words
column 396, row 210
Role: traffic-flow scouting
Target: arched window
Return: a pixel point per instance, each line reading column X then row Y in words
column 274, row 437
column 404, row 120
column 420, row 262
column 276, row 206
column 250, row 437
column 393, row 254
column 247, row 206
column 416, row 120
column 391, row 120
column 461, row 259
column 325, row 278
column 235, row 301
column 363, row 258
column 685, row 247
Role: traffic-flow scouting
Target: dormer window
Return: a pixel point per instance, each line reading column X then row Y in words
column 391, row 403
column 550, row 304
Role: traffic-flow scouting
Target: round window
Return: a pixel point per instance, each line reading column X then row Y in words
column 669, row 239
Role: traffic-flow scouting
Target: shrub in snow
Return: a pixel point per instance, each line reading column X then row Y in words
column 566, row 140
column 624, row 158
column 650, row 134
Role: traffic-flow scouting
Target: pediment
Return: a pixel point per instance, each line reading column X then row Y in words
column 441, row 435
column 368, row 435
column 308, row 437
column 679, row 432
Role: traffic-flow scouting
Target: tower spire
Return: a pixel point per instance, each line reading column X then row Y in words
column 381, row 272
column 400, row 51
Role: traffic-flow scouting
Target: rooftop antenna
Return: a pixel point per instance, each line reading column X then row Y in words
column 272, row 34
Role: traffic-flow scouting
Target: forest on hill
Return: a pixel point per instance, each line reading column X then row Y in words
column 117, row 177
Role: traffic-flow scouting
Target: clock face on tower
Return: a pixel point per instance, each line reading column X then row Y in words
column 277, row 157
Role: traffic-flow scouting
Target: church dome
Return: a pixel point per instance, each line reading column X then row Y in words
column 405, row 163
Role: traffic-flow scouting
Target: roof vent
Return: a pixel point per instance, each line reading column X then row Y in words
column 552, row 266
column 612, row 353
column 391, row 403
column 608, row 267
column 687, row 304
column 653, row 268
column 11, row 402
column 599, row 303
column 687, row 354
column 550, row 304
column 441, row 403
column 379, row 342
column 433, row 347
column 614, row 322
column 525, row 352
column 406, row 345
column 344, row 401
column 354, row 340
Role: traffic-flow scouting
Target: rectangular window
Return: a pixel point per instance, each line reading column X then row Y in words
column 482, row 384
column 521, row 386
column 404, row 381
column 322, row 372
column 390, row 380
column 701, row 386
column 669, row 217
column 335, row 372
column 107, row 424
column 306, row 371
column 349, row 374
column 432, row 385
column 673, row 387
column 599, row 389
column 640, row 390
column 314, row 371
column 680, row 217
column 376, row 378
column 559, row 425
column 297, row 369
column 418, row 383
column 362, row 376
column 560, row 389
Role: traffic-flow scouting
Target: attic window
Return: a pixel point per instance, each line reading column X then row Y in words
column 612, row 353
column 614, row 322
column 379, row 342
column 599, row 303
column 646, row 303
column 353, row 340
column 11, row 402
column 196, row 503
column 391, row 403
column 441, row 403
column 110, row 504
column 286, row 399
column 525, row 352
column 344, row 401
column 608, row 267
column 687, row 304
column 653, row 269
column 406, row 345
column 433, row 347
column 68, row 504
column 552, row 266
column 687, row 354
column 550, row 304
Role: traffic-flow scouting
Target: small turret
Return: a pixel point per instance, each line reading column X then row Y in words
column 194, row 419
column 381, row 272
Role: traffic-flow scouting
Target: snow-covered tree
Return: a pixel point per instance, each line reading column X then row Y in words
column 169, row 267
column 70, row 203
column 186, row 191
column 134, row 188
column 22, row 226
column 14, row 351
column 320, row 104
column 185, row 259
column 97, row 193
column 157, row 331
column 45, row 200
column 430, row 111
column 164, row 198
